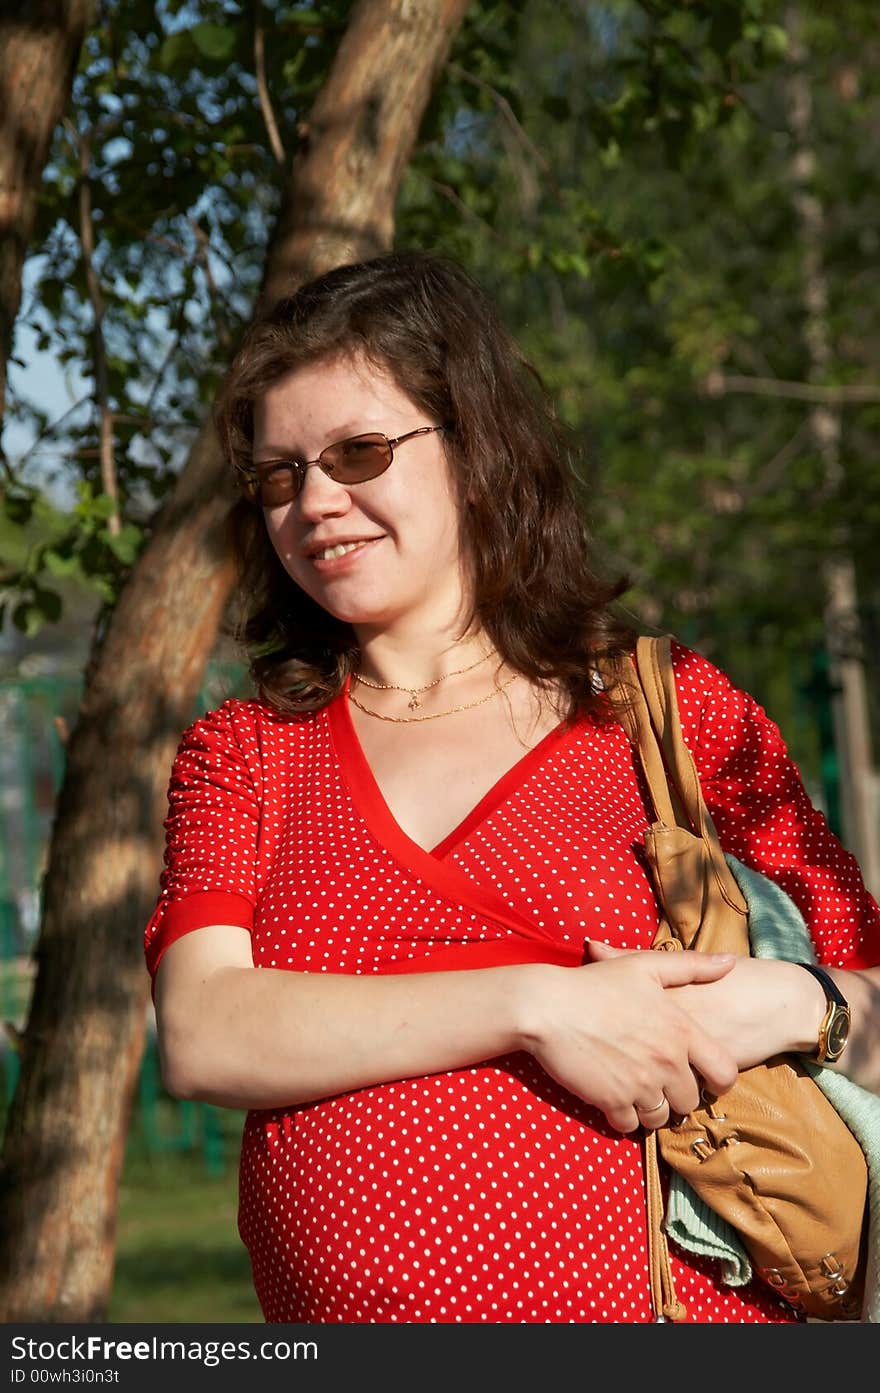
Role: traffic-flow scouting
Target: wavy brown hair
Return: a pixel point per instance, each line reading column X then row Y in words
column 534, row 584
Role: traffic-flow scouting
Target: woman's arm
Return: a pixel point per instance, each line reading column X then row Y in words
column 243, row 1037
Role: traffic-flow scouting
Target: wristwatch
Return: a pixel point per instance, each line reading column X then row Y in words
column 834, row 1030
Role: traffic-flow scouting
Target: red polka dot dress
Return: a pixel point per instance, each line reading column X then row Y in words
column 485, row 1194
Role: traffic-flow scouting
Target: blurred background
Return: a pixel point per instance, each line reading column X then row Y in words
column 676, row 207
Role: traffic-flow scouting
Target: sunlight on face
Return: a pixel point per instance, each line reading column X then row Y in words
column 400, row 530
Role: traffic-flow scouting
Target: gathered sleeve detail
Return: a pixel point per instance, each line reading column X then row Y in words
column 764, row 815
column 212, row 834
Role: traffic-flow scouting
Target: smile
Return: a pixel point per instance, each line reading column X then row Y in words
column 329, row 556
column 330, row 552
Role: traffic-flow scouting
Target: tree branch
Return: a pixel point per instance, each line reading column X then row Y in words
column 109, row 482
column 50, row 429
column 719, row 384
column 448, row 192
column 512, row 123
column 263, row 88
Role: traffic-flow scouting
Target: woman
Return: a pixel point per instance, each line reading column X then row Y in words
column 426, row 832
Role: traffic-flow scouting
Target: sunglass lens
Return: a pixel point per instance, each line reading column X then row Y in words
column 279, row 485
column 350, row 461
column 358, row 459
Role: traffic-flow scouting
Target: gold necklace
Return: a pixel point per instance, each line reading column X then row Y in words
column 434, row 715
column 414, row 702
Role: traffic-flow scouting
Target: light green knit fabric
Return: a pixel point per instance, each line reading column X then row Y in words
column 777, row 930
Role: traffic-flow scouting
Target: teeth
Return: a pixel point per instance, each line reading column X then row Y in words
column 329, row 553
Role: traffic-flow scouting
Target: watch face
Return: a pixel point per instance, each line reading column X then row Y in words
column 838, row 1031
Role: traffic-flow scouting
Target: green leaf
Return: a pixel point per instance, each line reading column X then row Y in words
column 102, row 506
column 105, row 588
column 29, row 617
column 60, row 563
column 308, row 19
column 774, row 40
column 176, row 51
column 214, row 40
column 126, row 544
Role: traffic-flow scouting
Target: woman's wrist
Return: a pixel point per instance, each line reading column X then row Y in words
column 530, row 987
column 808, row 1011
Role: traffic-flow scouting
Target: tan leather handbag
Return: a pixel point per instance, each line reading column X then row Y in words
column 772, row 1156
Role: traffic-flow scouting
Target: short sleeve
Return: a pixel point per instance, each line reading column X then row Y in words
column 764, row 815
column 211, row 835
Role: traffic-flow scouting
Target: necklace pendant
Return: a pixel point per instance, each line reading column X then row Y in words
column 413, row 702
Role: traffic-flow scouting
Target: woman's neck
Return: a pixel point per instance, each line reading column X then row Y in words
column 416, row 660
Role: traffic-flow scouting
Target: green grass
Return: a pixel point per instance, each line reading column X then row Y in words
column 179, row 1257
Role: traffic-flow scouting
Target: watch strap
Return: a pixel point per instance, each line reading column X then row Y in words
column 827, row 982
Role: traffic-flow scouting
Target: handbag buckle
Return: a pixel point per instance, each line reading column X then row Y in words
column 832, row 1266
column 710, row 1102
column 776, row 1279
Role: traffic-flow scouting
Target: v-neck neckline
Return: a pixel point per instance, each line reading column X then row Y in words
column 350, row 743
column 435, row 866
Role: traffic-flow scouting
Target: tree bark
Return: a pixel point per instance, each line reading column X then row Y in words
column 843, row 638
column 40, row 42
column 82, row 1045
column 358, row 139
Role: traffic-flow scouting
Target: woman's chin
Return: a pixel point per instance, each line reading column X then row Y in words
column 358, row 612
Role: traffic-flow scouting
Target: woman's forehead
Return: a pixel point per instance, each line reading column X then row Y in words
column 319, row 403
column 333, row 385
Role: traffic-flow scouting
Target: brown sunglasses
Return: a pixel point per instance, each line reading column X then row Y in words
column 351, row 461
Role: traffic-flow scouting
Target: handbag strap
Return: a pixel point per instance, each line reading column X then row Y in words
column 643, row 692
column 624, row 686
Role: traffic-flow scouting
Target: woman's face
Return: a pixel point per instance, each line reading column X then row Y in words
column 406, row 567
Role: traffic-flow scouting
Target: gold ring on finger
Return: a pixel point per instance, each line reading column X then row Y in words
column 658, row 1107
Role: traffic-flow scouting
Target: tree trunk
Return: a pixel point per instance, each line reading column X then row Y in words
column 65, row 1136
column 40, row 41
column 843, row 637
column 358, row 139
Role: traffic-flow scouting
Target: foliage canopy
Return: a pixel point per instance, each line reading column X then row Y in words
column 619, row 175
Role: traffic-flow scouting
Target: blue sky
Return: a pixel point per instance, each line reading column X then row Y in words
column 43, row 381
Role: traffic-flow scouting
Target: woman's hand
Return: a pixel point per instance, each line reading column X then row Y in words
column 614, row 1033
column 761, row 1008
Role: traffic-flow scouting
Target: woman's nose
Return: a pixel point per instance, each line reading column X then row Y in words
column 321, row 496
